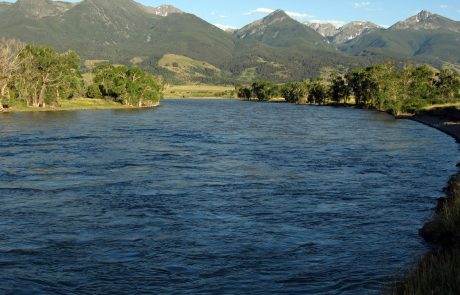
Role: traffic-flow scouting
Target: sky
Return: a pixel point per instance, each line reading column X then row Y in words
column 238, row 13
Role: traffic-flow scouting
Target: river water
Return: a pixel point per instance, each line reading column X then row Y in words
column 214, row 197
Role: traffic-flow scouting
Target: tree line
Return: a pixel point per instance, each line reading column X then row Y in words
column 383, row 87
column 38, row 76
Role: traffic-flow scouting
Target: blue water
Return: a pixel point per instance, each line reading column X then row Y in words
column 214, row 197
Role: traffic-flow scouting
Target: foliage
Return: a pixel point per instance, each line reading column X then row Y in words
column 244, row 92
column 264, row 90
column 448, row 83
column 45, row 76
column 384, row 87
column 294, row 92
column 130, row 86
column 38, row 76
column 318, row 92
column 94, row 91
column 339, row 90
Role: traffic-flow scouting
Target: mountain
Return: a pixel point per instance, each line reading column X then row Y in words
column 162, row 10
column 426, row 37
column 426, row 20
column 324, row 29
column 179, row 46
column 37, row 8
column 279, row 30
column 345, row 33
column 353, row 30
column 184, row 48
column 278, row 47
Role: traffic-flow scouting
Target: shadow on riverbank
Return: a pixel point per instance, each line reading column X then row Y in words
column 438, row 272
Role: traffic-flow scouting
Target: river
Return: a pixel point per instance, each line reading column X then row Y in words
column 214, row 197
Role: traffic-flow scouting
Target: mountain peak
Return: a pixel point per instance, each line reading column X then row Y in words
column 425, row 20
column 277, row 15
column 424, row 15
column 162, row 10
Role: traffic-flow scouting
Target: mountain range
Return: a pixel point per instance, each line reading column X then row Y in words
column 183, row 48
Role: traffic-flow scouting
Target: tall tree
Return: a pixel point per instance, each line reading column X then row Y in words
column 448, row 83
column 294, row 92
column 10, row 50
column 50, row 75
column 340, row 91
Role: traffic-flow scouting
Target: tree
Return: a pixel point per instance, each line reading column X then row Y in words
column 340, row 91
column 362, row 84
column 130, row 86
column 294, row 92
column 243, row 92
column 448, row 83
column 385, row 79
column 10, row 50
column 264, row 90
column 318, row 92
column 422, row 85
column 47, row 76
column 94, row 91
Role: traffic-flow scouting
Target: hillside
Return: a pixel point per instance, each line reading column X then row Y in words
column 426, row 37
column 275, row 47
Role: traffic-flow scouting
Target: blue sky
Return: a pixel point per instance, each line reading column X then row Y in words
column 237, row 13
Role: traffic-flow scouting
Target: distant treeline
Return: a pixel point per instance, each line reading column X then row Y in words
column 38, row 76
column 382, row 87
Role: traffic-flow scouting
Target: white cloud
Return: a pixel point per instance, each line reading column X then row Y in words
column 223, row 16
column 225, row 27
column 361, row 4
column 265, row 10
column 444, row 6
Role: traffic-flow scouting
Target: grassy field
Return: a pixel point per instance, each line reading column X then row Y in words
column 73, row 104
column 199, row 91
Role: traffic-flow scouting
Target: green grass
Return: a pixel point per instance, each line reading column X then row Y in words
column 435, row 273
column 438, row 272
column 73, row 104
column 199, row 91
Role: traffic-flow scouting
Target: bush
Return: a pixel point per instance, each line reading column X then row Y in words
column 94, row 91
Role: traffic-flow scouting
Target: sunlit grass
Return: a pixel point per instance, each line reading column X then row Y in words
column 199, row 91
column 72, row 104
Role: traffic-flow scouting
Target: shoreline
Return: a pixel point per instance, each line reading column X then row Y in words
column 96, row 105
column 438, row 270
column 445, row 125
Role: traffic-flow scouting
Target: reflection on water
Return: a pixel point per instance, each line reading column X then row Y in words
column 209, row 196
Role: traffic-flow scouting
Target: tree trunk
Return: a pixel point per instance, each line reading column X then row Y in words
column 41, row 97
column 2, row 95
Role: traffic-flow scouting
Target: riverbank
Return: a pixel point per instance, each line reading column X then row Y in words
column 438, row 272
column 199, row 91
column 75, row 105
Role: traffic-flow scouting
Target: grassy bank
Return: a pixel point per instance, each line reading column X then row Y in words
column 72, row 104
column 438, row 272
column 199, row 91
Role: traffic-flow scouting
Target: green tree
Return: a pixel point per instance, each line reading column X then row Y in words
column 264, row 90
column 94, row 91
column 318, row 92
column 130, row 86
column 243, row 92
column 448, row 83
column 340, row 91
column 294, row 92
column 47, row 76
column 363, row 86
